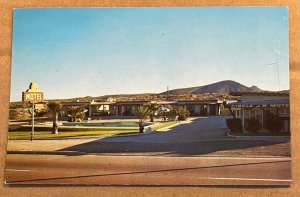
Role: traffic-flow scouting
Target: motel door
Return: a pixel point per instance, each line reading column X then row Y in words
column 213, row 110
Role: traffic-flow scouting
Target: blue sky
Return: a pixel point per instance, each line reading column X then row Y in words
column 97, row 51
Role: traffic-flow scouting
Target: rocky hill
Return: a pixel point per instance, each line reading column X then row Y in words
column 218, row 87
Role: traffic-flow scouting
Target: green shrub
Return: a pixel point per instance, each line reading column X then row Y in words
column 252, row 125
column 234, row 124
column 273, row 123
column 182, row 113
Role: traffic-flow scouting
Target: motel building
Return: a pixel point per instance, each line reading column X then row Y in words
column 269, row 109
column 128, row 108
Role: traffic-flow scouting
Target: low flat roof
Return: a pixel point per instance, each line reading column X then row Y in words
column 75, row 103
column 166, row 102
column 262, row 93
column 102, row 103
column 130, row 102
column 215, row 101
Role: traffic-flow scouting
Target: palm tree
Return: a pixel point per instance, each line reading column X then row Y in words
column 152, row 107
column 54, row 109
column 142, row 113
column 75, row 112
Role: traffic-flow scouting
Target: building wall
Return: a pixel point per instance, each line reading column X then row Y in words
column 130, row 109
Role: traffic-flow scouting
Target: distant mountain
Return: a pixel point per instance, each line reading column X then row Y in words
column 219, row 87
column 284, row 91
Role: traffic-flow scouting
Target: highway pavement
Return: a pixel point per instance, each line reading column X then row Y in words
column 140, row 170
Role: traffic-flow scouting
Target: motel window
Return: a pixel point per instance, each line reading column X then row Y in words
column 238, row 113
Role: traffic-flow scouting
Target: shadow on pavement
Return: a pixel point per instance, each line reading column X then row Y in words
column 200, row 137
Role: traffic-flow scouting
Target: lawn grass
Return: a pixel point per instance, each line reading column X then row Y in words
column 49, row 135
column 45, row 133
column 162, row 125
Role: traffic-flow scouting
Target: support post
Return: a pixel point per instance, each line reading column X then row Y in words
column 122, row 110
column 32, row 131
column 218, row 110
column 243, row 114
column 90, row 111
column 208, row 110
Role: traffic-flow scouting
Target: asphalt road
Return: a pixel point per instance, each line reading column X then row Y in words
column 140, row 170
column 199, row 153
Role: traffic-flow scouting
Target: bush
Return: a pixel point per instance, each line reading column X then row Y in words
column 182, row 113
column 19, row 114
column 234, row 124
column 252, row 125
column 273, row 123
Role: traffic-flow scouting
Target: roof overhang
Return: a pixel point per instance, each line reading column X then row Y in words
column 261, row 103
column 262, row 93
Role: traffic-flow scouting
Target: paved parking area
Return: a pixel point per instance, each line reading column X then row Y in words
column 197, row 136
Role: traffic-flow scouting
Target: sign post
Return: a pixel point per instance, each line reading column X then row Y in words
column 32, row 131
column 32, row 95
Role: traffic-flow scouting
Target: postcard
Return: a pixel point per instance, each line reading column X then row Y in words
column 150, row 96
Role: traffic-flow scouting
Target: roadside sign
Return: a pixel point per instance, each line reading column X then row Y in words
column 32, row 95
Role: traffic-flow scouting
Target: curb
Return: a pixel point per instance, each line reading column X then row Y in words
column 255, row 136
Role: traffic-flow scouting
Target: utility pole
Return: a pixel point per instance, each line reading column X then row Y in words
column 277, row 64
column 167, row 93
column 277, row 61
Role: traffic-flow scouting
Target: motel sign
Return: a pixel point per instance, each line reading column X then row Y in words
column 32, row 97
column 33, row 94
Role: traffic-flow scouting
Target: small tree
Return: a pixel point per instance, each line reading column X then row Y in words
column 229, row 108
column 142, row 113
column 74, row 112
column 152, row 108
column 54, row 109
column 182, row 113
